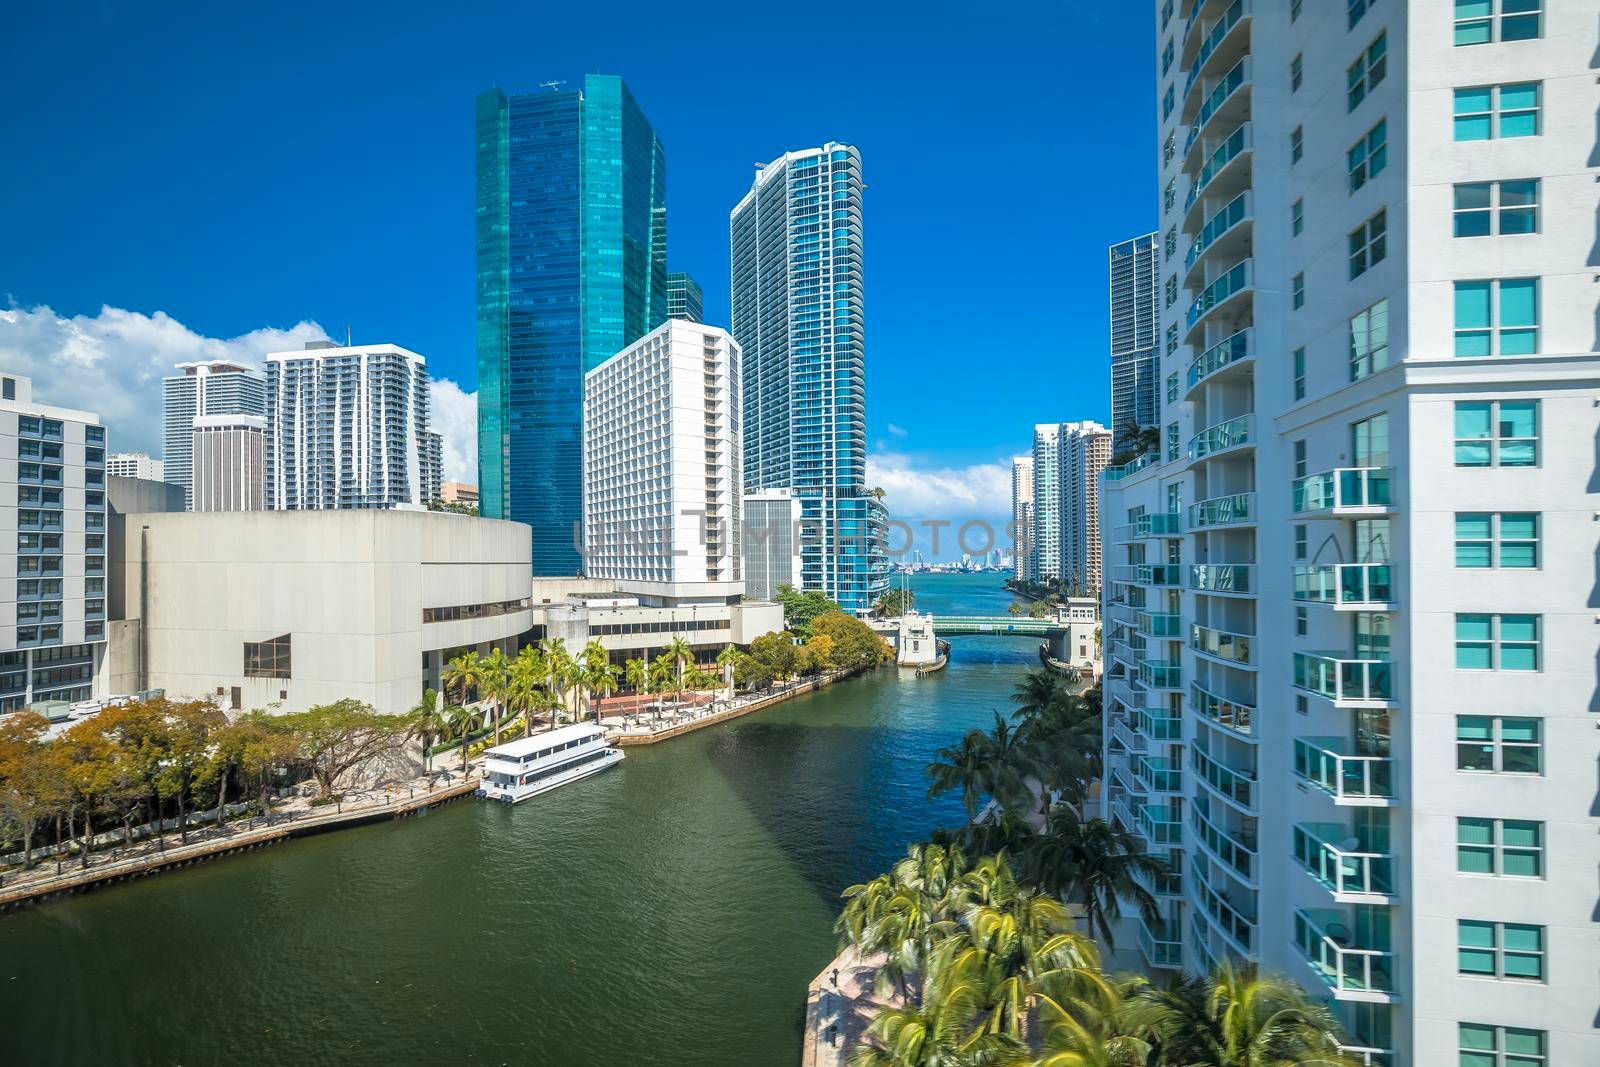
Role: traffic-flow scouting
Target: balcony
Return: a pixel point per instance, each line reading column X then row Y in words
column 1158, row 825
column 1227, row 510
column 1351, row 972
column 1228, row 714
column 1159, row 724
column 1231, row 648
column 1122, row 733
column 1220, row 174
column 1239, row 853
column 1234, row 433
column 1236, row 786
column 1346, row 586
column 1369, row 1057
column 1330, row 854
column 1238, row 927
column 1168, row 883
column 1350, row 779
column 1226, row 104
column 1160, row 946
column 1352, row 491
column 1159, row 575
column 1159, row 626
column 1133, row 466
column 1222, row 577
column 1219, row 46
column 1349, row 683
column 1233, row 350
column 1155, row 674
column 1225, row 234
column 1158, row 774
column 1158, row 524
column 1229, row 288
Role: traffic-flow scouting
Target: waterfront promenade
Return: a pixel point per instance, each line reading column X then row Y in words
column 840, row 1003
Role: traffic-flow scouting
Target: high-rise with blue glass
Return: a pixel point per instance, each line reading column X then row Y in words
column 572, row 264
column 795, row 242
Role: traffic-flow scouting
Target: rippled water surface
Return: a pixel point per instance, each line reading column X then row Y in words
column 670, row 910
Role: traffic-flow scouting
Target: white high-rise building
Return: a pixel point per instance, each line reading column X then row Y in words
column 212, row 387
column 662, row 460
column 1067, row 460
column 230, row 455
column 1350, row 628
column 53, row 567
column 432, row 466
column 346, row 427
column 134, row 465
column 1022, row 517
column 770, row 542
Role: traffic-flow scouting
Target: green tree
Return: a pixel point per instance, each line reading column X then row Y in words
column 894, row 603
column 1236, row 1017
column 429, row 723
column 563, row 675
column 463, row 720
column 855, row 645
column 463, row 673
column 32, row 791
column 1014, row 608
column 776, row 653
column 1095, row 864
column 494, row 681
column 331, row 740
column 636, row 672
column 963, row 766
column 599, row 676
column 799, row 609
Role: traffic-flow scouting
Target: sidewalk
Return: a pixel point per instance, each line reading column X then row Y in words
column 838, row 1011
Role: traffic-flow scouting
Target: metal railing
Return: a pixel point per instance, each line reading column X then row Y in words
column 1222, row 436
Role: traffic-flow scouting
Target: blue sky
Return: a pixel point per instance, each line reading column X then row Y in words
column 313, row 163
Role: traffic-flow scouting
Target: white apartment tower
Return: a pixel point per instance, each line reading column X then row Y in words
column 134, row 465
column 1022, row 517
column 53, row 569
column 1350, row 625
column 662, row 460
column 230, row 455
column 210, row 387
column 1067, row 460
column 345, row 427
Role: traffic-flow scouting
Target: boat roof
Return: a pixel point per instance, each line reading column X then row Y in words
column 522, row 746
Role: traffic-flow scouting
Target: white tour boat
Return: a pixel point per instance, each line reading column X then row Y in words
column 532, row 765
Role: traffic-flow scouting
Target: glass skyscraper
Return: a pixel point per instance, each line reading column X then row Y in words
column 572, row 266
column 1133, row 269
column 684, row 298
column 797, row 314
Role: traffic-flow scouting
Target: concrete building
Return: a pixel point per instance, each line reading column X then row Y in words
column 770, row 542
column 458, row 493
column 639, row 619
column 432, row 460
column 1134, row 267
column 229, row 458
column 134, row 465
column 796, row 270
column 661, row 460
column 1067, row 460
column 1350, row 630
column 53, row 567
column 1022, row 535
column 213, row 387
column 346, row 427
column 289, row 609
column 684, row 298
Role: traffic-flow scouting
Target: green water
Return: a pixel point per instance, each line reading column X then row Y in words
column 670, row 910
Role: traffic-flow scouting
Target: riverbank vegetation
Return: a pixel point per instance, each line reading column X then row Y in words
column 894, row 603
column 834, row 641
column 988, row 935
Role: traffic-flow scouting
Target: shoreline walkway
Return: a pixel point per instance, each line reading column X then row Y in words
column 625, row 733
column 840, row 1003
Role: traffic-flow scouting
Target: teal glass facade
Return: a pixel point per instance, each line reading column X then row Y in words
column 571, row 268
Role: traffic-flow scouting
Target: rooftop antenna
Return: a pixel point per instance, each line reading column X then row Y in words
column 347, row 343
column 551, row 85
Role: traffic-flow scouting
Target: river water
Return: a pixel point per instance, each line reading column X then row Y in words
column 668, row 911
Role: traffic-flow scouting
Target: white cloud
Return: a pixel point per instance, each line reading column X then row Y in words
column 981, row 490
column 896, row 431
column 453, row 412
column 112, row 363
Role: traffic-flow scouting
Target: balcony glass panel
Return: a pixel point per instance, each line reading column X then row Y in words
column 1240, row 855
column 1344, row 583
column 1342, row 487
column 1229, row 216
column 1159, row 774
column 1233, row 922
column 1159, row 724
column 1159, row 825
column 1237, row 786
column 1157, row 675
column 1235, row 143
column 1327, row 944
column 1320, row 848
column 1235, row 716
column 1220, row 510
column 1338, row 678
column 1222, row 644
column 1222, row 577
column 1220, row 437
column 1324, row 763
column 1230, row 349
column 1236, row 279
column 1160, row 625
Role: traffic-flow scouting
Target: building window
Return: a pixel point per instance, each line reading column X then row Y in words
column 1297, row 217
column 1367, row 157
column 1485, row 112
column 1297, row 144
column 1172, row 388
column 1357, row 9
column 1484, row 1045
column 1505, row 539
column 1497, row 317
column 1166, row 13
column 1297, row 289
column 1299, row 622
column 1167, row 102
column 1171, row 242
column 1300, row 541
column 1497, row 433
column 1497, row 209
column 1491, row 642
column 267, row 659
column 1367, row 71
column 1296, row 72
column 1510, row 848
column 1172, row 290
column 1172, row 338
column 1166, row 58
column 1369, row 244
column 1170, row 195
column 1172, row 442
column 1300, row 458
column 1500, row 950
column 1487, row 21
column 1499, row 744
column 1369, row 341
column 1299, row 374
column 1294, row 10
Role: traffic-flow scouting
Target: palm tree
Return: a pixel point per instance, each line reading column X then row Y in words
column 496, row 684
column 463, row 673
column 599, row 676
column 1093, row 863
column 463, row 720
column 726, row 659
column 680, row 653
column 561, row 672
column 940, row 1030
column 1094, row 1024
column 429, row 724
column 636, row 672
column 1034, row 693
column 1010, row 763
column 1239, row 1018
column 962, row 766
column 660, row 677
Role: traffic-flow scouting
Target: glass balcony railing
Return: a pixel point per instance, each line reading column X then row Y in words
column 1333, row 857
column 1230, row 349
column 1159, row 724
column 1342, row 680
column 1158, row 774
column 1240, row 718
column 1157, row 524
column 1161, row 626
column 1158, row 574
column 1159, row 825
column 1343, row 488
column 1230, row 148
column 1348, row 778
column 1230, row 215
column 1222, row 436
column 1222, row 644
column 1167, row 883
column 1345, row 584
column 1112, row 474
column 1226, row 86
column 1239, row 926
column 1366, row 1056
column 1222, row 510
column 1237, row 786
column 1240, row 854
column 1158, row 675
column 1328, row 945
column 1214, row 37
column 1122, row 733
column 1161, row 946
column 1222, row 577
column 1235, row 279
